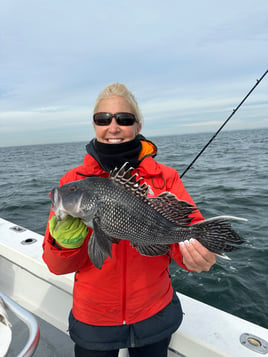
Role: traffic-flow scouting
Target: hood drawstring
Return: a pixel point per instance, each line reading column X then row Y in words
column 161, row 186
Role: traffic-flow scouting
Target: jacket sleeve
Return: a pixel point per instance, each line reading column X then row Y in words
column 176, row 186
column 62, row 260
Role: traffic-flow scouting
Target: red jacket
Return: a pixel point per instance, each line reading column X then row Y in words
column 129, row 287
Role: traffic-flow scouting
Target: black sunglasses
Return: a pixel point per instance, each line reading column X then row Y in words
column 124, row 119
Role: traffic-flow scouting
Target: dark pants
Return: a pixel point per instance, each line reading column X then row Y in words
column 158, row 349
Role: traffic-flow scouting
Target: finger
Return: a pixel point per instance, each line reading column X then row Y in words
column 195, row 257
column 188, row 257
column 203, row 251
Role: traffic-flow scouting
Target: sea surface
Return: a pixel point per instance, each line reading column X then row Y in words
column 230, row 178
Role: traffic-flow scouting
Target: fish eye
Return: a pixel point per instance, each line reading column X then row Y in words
column 73, row 188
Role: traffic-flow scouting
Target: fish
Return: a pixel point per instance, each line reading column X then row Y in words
column 119, row 208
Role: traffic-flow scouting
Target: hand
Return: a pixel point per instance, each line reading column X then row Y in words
column 69, row 233
column 196, row 257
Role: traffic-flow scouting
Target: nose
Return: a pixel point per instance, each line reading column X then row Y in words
column 114, row 127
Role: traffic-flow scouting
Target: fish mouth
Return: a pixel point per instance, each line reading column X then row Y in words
column 66, row 205
column 57, row 205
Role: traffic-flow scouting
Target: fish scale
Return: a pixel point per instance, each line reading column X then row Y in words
column 117, row 208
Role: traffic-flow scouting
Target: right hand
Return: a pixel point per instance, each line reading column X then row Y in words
column 69, row 233
column 196, row 257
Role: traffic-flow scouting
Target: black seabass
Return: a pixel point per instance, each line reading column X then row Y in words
column 119, row 207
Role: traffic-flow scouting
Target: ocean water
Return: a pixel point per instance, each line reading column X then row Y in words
column 230, row 178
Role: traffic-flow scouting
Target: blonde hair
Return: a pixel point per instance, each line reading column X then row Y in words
column 120, row 89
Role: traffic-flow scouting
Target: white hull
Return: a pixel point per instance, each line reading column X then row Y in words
column 205, row 331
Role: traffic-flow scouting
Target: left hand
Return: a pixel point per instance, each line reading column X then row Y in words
column 69, row 233
column 196, row 257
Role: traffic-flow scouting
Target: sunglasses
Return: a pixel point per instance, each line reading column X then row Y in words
column 123, row 119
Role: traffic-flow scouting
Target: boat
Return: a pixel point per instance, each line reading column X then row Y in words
column 40, row 301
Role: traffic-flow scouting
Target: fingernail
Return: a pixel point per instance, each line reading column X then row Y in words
column 192, row 240
column 186, row 242
column 181, row 244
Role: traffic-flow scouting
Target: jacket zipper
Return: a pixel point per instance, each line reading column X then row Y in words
column 124, row 266
column 124, row 297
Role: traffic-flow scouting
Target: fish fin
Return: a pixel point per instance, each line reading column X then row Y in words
column 174, row 210
column 152, row 250
column 115, row 240
column 223, row 256
column 217, row 234
column 129, row 181
column 96, row 254
column 103, row 239
column 100, row 245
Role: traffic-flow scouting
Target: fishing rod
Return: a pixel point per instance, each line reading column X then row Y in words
column 226, row 121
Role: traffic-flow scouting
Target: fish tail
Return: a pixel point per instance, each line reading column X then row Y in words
column 223, row 256
column 217, row 234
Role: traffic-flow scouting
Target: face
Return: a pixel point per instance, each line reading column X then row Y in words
column 114, row 133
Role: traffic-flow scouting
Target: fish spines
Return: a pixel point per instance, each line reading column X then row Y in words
column 174, row 210
column 129, row 181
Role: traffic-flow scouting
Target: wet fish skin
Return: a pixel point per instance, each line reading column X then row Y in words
column 118, row 208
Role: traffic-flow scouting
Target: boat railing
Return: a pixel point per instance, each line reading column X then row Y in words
column 29, row 320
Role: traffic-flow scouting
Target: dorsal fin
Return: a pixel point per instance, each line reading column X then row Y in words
column 173, row 209
column 130, row 182
column 167, row 204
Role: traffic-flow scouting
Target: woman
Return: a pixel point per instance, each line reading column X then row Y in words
column 129, row 302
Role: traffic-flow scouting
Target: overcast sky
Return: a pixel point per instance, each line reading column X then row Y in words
column 189, row 64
